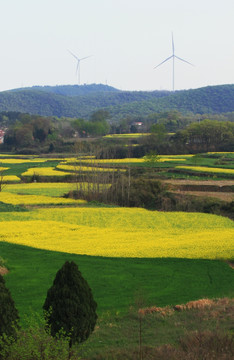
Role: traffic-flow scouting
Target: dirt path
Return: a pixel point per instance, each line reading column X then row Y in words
column 199, row 182
column 229, row 197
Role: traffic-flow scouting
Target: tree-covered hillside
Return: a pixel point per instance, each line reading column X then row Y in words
column 82, row 101
column 72, row 90
column 207, row 100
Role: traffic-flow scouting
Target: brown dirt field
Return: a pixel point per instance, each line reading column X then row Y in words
column 3, row 270
column 220, row 305
column 199, row 182
column 229, row 197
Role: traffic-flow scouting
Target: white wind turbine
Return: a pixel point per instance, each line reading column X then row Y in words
column 78, row 64
column 173, row 56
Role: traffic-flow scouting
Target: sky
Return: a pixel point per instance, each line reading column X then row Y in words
column 125, row 40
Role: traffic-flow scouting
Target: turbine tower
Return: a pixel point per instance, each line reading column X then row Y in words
column 78, row 64
column 173, row 56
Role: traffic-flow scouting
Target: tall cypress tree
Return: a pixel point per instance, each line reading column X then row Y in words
column 70, row 305
column 8, row 313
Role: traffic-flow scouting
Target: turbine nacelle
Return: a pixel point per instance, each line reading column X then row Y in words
column 78, row 64
column 173, row 57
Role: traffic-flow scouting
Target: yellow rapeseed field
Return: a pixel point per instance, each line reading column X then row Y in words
column 9, row 178
column 132, row 135
column 129, row 160
column 21, row 161
column 121, row 232
column 207, row 169
column 44, row 171
column 16, row 199
column 77, row 167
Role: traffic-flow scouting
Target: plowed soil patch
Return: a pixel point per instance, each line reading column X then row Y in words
column 200, row 182
column 3, row 270
column 218, row 195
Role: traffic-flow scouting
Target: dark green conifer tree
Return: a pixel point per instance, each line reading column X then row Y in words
column 8, row 313
column 69, row 305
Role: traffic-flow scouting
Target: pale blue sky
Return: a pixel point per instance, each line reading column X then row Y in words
column 127, row 38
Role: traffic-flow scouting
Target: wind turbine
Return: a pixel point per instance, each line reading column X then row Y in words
column 173, row 56
column 78, row 64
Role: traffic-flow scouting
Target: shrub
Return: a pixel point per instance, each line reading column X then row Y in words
column 36, row 343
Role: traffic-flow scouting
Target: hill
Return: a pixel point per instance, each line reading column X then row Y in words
column 81, row 101
column 71, row 90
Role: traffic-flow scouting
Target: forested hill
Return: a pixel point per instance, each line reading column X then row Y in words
column 72, row 90
column 81, row 101
column 207, row 100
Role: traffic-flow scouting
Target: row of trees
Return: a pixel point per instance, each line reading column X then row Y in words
column 207, row 135
column 190, row 133
column 29, row 131
column 69, row 309
column 32, row 131
column 203, row 136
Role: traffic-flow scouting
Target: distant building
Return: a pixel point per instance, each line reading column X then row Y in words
column 136, row 126
column 137, row 123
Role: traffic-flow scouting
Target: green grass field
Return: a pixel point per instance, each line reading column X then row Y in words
column 115, row 282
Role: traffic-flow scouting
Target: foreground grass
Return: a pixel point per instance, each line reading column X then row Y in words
column 116, row 282
column 192, row 334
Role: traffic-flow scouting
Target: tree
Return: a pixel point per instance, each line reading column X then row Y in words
column 151, row 158
column 99, row 115
column 69, row 305
column 159, row 132
column 8, row 313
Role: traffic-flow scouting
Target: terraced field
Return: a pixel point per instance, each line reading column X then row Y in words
column 111, row 243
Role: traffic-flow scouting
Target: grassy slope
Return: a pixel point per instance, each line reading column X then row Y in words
column 18, row 169
column 115, row 282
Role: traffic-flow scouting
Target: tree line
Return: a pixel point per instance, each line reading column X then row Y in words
column 167, row 132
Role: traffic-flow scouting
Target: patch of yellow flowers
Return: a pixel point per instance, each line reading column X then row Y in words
column 44, row 171
column 128, row 160
column 9, row 178
column 121, row 232
column 207, row 169
column 16, row 199
column 77, row 167
column 21, row 161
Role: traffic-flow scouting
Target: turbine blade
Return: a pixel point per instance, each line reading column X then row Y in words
column 86, row 57
column 164, row 61
column 173, row 47
column 73, row 55
column 183, row 60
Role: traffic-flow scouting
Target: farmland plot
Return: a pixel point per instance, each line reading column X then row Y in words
column 121, row 232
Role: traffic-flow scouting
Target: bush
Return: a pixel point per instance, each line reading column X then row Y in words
column 36, row 343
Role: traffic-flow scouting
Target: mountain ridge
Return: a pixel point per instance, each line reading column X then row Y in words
column 81, row 101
